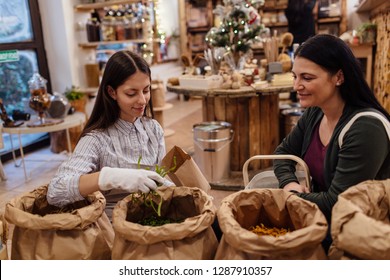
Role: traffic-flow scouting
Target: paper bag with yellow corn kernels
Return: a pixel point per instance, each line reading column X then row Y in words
column 78, row 231
column 360, row 225
column 271, row 212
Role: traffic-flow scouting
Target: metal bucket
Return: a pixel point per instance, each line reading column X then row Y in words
column 290, row 118
column 212, row 149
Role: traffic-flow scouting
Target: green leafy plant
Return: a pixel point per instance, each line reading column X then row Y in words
column 367, row 32
column 148, row 198
column 73, row 93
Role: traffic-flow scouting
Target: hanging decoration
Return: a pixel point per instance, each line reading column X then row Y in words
column 239, row 28
column 148, row 33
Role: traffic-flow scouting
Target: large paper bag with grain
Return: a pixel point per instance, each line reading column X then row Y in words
column 3, row 238
column 187, row 172
column 277, row 210
column 80, row 230
column 360, row 225
column 187, row 236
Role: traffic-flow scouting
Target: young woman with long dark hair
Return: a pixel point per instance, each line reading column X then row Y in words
column 119, row 131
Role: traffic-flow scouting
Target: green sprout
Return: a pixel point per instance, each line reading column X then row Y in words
column 148, row 197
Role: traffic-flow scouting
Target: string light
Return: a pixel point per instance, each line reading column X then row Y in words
column 147, row 47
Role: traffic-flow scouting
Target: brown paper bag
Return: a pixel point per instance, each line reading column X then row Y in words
column 187, row 172
column 273, row 208
column 3, row 239
column 193, row 238
column 77, row 231
column 360, row 225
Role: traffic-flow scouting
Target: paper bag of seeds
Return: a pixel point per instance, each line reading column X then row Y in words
column 270, row 224
column 360, row 225
column 182, row 232
column 187, row 172
column 77, row 231
column 3, row 238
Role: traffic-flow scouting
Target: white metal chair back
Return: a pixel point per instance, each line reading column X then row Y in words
column 258, row 180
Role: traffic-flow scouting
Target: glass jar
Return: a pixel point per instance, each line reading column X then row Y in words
column 108, row 29
column 130, row 28
column 39, row 99
column 138, row 27
column 120, row 23
column 93, row 30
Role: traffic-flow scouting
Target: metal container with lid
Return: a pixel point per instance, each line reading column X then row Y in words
column 212, row 149
column 290, row 118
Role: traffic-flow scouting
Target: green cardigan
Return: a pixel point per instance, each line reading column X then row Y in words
column 364, row 155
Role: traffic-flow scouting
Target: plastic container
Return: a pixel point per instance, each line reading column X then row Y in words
column 212, row 149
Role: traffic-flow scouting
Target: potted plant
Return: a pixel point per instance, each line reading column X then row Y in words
column 367, row 32
column 76, row 98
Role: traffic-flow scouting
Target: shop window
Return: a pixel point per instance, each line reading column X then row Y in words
column 20, row 30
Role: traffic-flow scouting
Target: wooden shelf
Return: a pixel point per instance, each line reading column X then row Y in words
column 96, row 44
column 92, row 6
column 368, row 5
column 270, row 9
column 277, row 24
column 92, row 46
column 198, row 29
column 189, row 31
column 329, row 20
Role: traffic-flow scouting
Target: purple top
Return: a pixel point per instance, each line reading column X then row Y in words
column 314, row 159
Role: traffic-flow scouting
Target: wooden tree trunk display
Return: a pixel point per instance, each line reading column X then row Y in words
column 255, row 123
column 382, row 59
column 158, row 93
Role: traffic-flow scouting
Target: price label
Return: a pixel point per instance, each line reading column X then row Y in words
column 9, row 56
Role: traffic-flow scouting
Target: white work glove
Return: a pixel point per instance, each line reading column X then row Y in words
column 129, row 180
column 168, row 183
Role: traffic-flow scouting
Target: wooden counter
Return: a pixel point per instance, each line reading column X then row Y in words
column 253, row 114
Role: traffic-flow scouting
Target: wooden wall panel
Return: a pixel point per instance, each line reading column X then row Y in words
column 382, row 58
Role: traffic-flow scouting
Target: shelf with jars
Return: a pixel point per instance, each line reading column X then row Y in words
column 196, row 19
column 272, row 15
column 120, row 22
column 109, row 26
column 90, row 6
column 102, row 43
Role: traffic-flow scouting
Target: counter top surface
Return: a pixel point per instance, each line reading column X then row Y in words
column 245, row 91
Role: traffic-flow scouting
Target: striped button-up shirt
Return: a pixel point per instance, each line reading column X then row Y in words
column 121, row 145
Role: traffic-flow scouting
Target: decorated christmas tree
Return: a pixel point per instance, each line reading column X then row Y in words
column 239, row 28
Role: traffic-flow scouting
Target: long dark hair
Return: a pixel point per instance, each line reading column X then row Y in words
column 120, row 66
column 333, row 54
